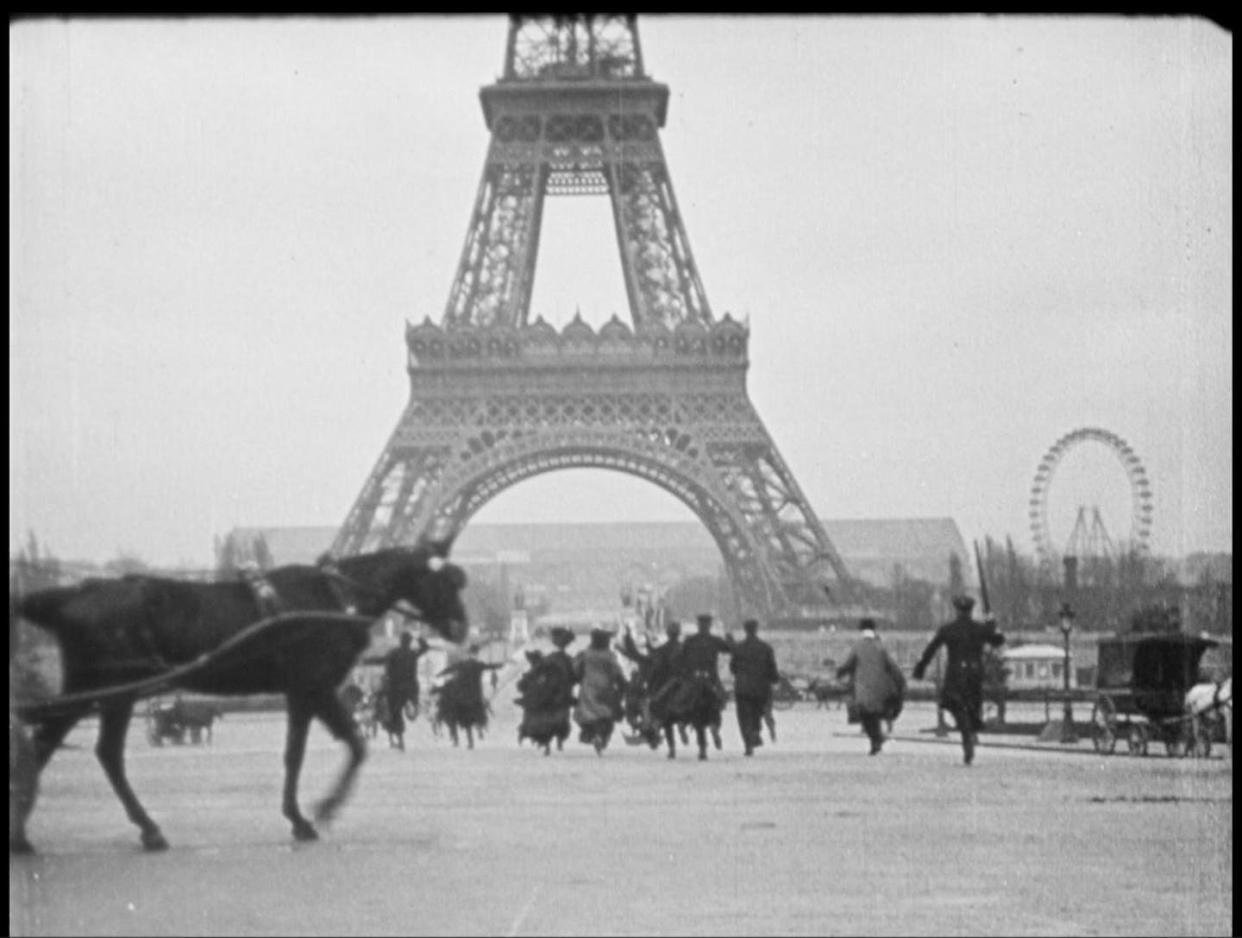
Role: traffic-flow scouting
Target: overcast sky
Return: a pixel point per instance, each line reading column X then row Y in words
column 956, row 239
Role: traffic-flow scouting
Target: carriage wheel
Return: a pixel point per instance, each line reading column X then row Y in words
column 1104, row 726
column 1137, row 740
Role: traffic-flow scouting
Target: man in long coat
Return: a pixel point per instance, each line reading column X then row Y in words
column 962, row 691
column 600, row 692
column 401, row 685
column 699, row 677
column 878, row 684
column 754, row 673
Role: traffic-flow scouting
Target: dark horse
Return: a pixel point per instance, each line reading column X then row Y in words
column 117, row 631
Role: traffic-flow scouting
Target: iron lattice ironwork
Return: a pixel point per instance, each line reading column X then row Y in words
column 496, row 398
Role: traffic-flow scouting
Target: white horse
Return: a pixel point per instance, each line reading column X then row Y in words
column 1205, row 700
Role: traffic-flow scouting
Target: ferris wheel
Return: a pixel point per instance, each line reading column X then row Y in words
column 1140, row 490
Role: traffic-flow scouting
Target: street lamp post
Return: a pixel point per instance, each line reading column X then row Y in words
column 1068, row 735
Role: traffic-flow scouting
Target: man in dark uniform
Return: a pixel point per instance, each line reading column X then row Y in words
column 962, row 691
column 754, row 673
column 700, row 655
column 401, row 683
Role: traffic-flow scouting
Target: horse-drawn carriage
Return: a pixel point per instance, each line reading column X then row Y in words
column 181, row 721
column 1141, row 695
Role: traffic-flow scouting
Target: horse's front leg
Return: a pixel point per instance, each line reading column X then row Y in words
column 336, row 718
column 700, row 733
column 110, row 750
column 295, row 751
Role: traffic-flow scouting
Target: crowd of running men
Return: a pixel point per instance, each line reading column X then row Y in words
column 674, row 686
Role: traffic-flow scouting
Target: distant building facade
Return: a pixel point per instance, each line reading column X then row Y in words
column 585, row 566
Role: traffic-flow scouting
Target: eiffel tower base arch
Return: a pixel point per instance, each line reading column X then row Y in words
column 492, row 407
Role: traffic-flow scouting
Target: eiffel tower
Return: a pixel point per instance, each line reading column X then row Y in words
column 496, row 398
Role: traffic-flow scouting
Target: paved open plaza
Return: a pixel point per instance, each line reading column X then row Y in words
column 812, row 836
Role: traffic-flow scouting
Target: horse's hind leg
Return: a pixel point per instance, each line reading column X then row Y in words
column 295, row 751
column 110, row 750
column 23, row 784
column 28, row 754
column 700, row 733
column 340, row 724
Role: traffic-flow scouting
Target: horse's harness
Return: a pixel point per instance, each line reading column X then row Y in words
column 344, row 589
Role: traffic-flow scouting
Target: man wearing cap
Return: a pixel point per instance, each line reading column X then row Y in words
column 754, row 673
column 878, row 684
column 700, row 655
column 962, row 691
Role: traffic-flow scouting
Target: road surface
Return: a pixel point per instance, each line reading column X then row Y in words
column 812, row 836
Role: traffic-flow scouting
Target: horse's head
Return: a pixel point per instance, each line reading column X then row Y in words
column 424, row 577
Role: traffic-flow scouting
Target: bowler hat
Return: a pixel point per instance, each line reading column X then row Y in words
column 600, row 638
column 864, row 624
column 561, row 636
column 964, row 603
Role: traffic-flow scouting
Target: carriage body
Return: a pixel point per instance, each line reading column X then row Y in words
column 164, row 724
column 1140, row 697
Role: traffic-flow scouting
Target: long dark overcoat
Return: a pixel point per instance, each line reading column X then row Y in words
column 965, row 640
column 754, row 668
column 879, row 685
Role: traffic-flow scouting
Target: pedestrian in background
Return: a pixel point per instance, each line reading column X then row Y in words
column 601, row 689
column 878, row 685
column 401, row 680
column 961, row 692
column 754, row 673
